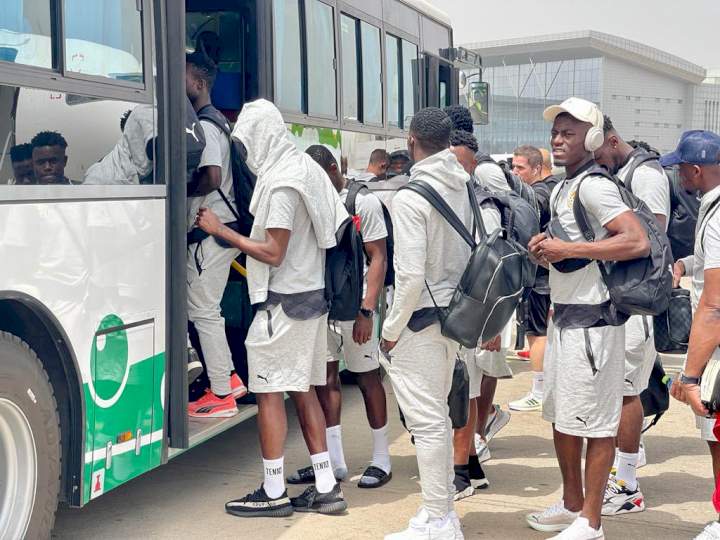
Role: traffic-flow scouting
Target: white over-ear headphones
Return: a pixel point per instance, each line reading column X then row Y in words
column 595, row 137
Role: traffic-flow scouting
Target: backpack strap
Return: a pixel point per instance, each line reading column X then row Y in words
column 427, row 192
column 706, row 218
column 637, row 158
column 353, row 189
column 581, row 217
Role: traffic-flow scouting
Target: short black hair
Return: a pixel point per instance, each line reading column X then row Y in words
column 607, row 124
column 322, row 156
column 400, row 154
column 431, row 128
column 460, row 117
column 642, row 144
column 459, row 137
column 124, row 119
column 203, row 65
column 21, row 152
column 48, row 138
column 378, row 155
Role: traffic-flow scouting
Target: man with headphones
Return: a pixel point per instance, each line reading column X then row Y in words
column 584, row 365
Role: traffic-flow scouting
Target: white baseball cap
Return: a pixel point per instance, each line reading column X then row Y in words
column 583, row 110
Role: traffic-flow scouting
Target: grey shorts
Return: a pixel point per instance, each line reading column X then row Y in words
column 358, row 358
column 640, row 354
column 583, row 371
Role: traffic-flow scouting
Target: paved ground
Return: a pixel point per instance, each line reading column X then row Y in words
column 184, row 499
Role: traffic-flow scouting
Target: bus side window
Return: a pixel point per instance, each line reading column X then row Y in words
column 53, row 138
column 25, row 32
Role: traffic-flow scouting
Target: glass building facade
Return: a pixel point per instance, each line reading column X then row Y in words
column 520, row 93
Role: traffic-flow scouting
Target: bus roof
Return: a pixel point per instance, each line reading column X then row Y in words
column 423, row 6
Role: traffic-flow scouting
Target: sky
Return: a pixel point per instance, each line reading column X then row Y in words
column 687, row 28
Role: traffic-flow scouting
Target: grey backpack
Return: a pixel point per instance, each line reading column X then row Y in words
column 639, row 286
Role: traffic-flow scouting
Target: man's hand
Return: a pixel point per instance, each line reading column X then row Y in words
column 690, row 395
column 208, row 221
column 387, row 346
column 492, row 345
column 678, row 273
column 534, row 245
column 553, row 250
column 362, row 329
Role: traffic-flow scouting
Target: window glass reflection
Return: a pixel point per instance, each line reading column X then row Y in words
column 322, row 99
column 25, row 32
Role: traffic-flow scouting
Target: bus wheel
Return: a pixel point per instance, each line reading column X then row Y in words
column 29, row 443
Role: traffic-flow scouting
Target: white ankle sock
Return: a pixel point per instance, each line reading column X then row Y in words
column 274, row 482
column 537, row 385
column 335, row 447
column 381, row 448
column 626, row 469
column 324, row 477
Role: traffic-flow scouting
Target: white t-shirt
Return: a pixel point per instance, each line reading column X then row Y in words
column 492, row 177
column 707, row 244
column 602, row 202
column 650, row 184
column 303, row 269
column 216, row 153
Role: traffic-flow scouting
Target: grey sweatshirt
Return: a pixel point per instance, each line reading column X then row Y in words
column 427, row 248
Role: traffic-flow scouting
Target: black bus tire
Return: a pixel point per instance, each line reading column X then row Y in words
column 25, row 383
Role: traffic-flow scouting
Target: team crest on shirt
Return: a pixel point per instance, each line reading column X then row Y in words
column 571, row 198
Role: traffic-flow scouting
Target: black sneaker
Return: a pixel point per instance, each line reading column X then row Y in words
column 259, row 504
column 195, row 367
column 322, row 503
column 463, row 487
column 477, row 475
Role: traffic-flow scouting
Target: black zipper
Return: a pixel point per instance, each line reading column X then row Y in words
column 269, row 323
column 589, row 352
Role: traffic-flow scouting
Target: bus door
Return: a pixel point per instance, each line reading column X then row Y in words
column 439, row 82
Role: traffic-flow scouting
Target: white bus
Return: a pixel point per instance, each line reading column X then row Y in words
column 93, row 322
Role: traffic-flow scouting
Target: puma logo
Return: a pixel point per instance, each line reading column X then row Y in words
column 581, row 420
column 263, row 378
column 191, row 131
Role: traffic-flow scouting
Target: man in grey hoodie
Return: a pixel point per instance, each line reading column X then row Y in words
column 429, row 259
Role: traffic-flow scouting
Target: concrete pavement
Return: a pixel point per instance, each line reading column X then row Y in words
column 185, row 498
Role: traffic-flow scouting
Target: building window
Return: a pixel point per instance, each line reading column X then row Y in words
column 288, row 55
column 371, row 74
column 322, row 93
column 104, row 38
column 349, row 44
column 25, row 31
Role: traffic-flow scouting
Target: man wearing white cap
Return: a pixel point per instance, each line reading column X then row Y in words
column 584, row 361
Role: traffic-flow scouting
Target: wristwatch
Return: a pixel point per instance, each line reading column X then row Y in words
column 689, row 380
column 367, row 313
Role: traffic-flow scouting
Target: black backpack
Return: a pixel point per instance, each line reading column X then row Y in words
column 353, row 190
column 195, row 144
column 517, row 219
column 243, row 180
column 517, row 186
column 344, row 273
column 493, row 282
column 684, row 206
column 639, row 286
column 656, row 397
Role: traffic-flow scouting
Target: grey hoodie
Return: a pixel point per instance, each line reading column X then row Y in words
column 427, row 248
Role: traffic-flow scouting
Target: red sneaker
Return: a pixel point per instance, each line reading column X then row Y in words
column 524, row 354
column 237, row 386
column 211, row 406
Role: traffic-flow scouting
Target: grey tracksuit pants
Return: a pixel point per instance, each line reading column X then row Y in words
column 205, row 291
column 420, row 369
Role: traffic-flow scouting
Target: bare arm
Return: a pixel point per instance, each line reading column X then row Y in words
column 209, row 179
column 270, row 251
column 377, row 254
column 628, row 240
column 704, row 337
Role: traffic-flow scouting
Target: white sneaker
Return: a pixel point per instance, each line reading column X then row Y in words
column 528, row 403
column 496, row 422
column 580, row 530
column 553, row 519
column 620, row 500
column 458, row 526
column 710, row 532
column 421, row 528
column 482, row 450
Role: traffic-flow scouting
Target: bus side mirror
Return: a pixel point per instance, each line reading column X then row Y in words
column 477, row 100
